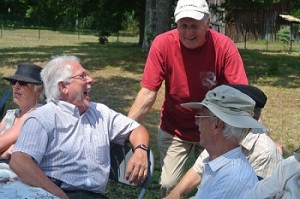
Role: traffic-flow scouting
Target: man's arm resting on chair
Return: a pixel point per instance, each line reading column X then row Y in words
column 137, row 168
column 29, row 172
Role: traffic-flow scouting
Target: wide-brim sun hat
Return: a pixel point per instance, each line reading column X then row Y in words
column 230, row 105
column 255, row 93
column 27, row 72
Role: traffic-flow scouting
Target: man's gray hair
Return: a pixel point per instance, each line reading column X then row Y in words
column 232, row 132
column 236, row 133
column 40, row 89
column 56, row 71
column 205, row 18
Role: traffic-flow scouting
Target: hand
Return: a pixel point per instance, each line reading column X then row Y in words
column 6, row 154
column 137, row 169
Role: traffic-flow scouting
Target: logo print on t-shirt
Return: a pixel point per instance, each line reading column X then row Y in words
column 209, row 79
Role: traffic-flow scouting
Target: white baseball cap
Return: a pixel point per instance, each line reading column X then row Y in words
column 191, row 8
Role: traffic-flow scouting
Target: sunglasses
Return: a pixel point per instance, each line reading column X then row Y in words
column 21, row 83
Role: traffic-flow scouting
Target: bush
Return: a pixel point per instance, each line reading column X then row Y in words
column 284, row 35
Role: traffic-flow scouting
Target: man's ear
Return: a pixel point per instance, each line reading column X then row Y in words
column 62, row 87
column 208, row 22
column 217, row 124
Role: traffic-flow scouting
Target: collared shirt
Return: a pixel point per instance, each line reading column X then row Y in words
column 283, row 183
column 261, row 152
column 259, row 149
column 71, row 147
column 228, row 176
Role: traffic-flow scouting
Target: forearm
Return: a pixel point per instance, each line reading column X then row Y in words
column 137, row 168
column 189, row 182
column 138, row 136
column 142, row 104
column 29, row 172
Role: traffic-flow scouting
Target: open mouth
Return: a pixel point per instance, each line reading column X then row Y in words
column 86, row 92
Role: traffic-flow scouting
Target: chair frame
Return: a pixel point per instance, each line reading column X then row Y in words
column 4, row 99
column 119, row 156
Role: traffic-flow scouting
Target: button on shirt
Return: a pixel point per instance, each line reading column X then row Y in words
column 71, row 147
column 227, row 176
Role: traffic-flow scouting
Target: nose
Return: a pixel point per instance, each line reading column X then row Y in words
column 89, row 79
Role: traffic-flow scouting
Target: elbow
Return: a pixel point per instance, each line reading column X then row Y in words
column 14, row 162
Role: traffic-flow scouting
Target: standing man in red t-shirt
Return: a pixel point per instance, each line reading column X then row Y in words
column 183, row 57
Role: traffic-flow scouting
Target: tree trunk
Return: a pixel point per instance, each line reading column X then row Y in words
column 147, row 27
column 142, row 21
column 158, row 19
column 164, row 12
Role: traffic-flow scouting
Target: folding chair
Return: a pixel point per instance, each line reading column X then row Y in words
column 119, row 156
column 3, row 100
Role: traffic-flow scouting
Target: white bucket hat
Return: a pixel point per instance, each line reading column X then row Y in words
column 230, row 105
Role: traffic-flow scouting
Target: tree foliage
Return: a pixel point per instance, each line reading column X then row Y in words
column 296, row 8
column 105, row 16
column 229, row 4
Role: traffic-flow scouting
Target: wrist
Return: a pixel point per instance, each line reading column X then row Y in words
column 142, row 147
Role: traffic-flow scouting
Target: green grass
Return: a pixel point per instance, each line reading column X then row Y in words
column 117, row 68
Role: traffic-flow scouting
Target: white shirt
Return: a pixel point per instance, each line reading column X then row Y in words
column 228, row 176
column 71, row 147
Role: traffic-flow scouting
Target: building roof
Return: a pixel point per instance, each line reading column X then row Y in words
column 290, row 18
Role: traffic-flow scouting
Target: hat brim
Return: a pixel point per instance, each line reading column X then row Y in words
column 23, row 79
column 238, row 120
column 189, row 14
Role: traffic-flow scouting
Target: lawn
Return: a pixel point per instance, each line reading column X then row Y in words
column 117, row 68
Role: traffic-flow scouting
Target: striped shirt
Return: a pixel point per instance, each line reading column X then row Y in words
column 259, row 149
column 228, row 176
column 261, row 152
column 71, row 147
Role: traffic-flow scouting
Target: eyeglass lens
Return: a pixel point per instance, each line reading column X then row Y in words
column 21, row 83
column 82, row 76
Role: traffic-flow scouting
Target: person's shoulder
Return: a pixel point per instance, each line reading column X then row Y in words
column 45, row 110
column 166, row 36
column 100, row 108
column 98, row 105
column 220, row 37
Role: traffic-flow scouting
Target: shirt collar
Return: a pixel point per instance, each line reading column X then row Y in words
column 223, row 159
column 67, row 107
column 249, row 141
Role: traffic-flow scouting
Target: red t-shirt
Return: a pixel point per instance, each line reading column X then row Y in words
column 188, row 75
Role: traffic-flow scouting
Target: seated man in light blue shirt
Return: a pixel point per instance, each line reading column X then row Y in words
column 64, row 146
column 224, row 118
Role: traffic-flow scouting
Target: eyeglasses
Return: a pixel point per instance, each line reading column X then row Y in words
column 21, row 83
column 203, row 116
column 83, row 76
